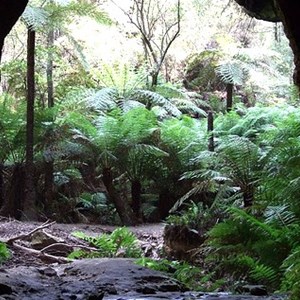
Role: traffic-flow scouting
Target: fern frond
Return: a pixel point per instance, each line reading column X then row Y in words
column 150, row 98
column 279, row 215
column 239, row 214
column 231, row 73
column 101, row 100
column 35, row 17
column 206, row 186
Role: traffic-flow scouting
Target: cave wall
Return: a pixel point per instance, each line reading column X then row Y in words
column 10, row 11
column 261, row 9
column 289, row 13
column 286, row 11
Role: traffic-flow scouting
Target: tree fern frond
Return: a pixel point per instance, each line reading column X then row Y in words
column 101, row 100
column 35, row 17
column 126, row 105
column 200, row 187
column 150, row 98
column 189, row 107
column 146, row 149
column 231, row 73
column 279, row 215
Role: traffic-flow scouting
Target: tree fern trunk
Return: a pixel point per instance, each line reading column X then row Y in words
column 229, row 98
column 136, row 188
column 210, row 128
column 30, row 193
column 248, row 196
column 15, row 195
column 166, row 201
column 50, row 88
column 123, row 208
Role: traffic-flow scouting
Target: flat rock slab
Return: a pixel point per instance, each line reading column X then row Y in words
column 97, row 279
column 89, row 279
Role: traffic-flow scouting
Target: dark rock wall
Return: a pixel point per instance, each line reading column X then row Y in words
column 261, row 9
column 286, row 11
column 10, row 11
column 289, row 12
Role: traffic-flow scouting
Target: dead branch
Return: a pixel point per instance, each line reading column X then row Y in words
column 47, row 258
column 54, row 246
column 26, row 235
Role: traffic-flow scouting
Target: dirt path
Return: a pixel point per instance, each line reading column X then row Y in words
column 149, row 235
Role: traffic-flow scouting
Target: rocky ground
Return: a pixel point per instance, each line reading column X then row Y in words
column 34, row 273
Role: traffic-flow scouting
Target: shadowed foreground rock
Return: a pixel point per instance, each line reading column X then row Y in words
column 96, row 279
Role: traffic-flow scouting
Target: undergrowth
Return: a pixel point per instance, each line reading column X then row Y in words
column 120, row 243
column 4, row 253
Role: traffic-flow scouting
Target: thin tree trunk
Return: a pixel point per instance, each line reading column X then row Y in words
column 229, row 100
column 1, row 186
column 50, row 88
column 29, row 208
column 49, row 165
column 154, row 82
column 136, row 188
column 210, row 128
column 123, row 209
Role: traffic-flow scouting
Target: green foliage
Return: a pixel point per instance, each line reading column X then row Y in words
column 12, row 130
column 251, row 248
column 291, row 280
column 200, row 72
column 231, row 73
column 181, row 271
column 4, row 252
column 121, row 242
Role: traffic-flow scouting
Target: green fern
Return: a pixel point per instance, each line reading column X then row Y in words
column 231, row 73
column 120, row 242
column 35, row 17
column 291, row 281
column 4, row 253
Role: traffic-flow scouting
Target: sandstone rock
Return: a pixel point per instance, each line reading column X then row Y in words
column 41, row 239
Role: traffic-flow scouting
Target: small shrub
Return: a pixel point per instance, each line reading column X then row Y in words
column 4, row 253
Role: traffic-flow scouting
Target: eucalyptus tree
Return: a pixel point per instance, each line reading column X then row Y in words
column 158, row 23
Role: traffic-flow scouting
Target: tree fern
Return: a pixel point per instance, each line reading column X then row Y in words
column 231, row 73
column 35, row 17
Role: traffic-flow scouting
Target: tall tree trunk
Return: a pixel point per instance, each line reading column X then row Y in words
column 210, row 128
column 49, row 165
column 29, row 208
column 136, row 188
column 123, row 208
column 10, row 11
